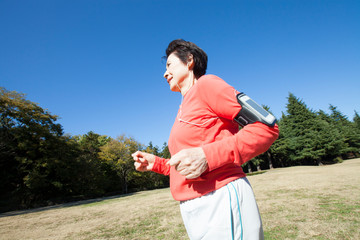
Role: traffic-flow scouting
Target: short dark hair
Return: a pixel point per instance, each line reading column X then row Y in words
column 183, row 49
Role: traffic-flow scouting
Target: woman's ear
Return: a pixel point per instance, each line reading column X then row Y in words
column 190, row 62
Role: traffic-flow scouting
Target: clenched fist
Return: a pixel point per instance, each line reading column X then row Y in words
column 143, row 161
column 190, row 163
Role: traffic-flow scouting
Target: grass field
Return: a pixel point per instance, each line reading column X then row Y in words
column 307, row 202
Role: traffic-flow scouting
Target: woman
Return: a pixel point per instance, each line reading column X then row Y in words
column 207, row 149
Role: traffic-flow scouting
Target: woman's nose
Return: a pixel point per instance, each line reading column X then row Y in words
column 166, row 74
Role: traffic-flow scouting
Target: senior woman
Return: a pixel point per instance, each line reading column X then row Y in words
column 207, row 151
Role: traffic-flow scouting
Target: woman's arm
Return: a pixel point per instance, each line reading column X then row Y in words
column 251, row 141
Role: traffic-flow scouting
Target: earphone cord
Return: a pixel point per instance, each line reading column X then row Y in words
column 182, row 120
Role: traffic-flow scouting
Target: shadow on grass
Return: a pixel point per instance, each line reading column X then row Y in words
column 256, row 173
column 64, row 205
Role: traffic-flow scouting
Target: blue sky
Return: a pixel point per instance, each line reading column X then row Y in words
column 97, row 64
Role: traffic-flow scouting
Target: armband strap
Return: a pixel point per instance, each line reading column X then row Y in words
column 251, row 112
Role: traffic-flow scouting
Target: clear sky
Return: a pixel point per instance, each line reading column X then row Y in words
column 97, row 64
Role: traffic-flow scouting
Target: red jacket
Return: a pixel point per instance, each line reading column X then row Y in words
column 205, row 119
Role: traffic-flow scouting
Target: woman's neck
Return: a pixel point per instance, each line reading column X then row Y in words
column 190, row 81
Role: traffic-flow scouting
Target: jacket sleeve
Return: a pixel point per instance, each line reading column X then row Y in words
column 160, row 166
column 249, row 142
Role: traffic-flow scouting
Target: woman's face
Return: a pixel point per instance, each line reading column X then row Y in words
column 176, row 72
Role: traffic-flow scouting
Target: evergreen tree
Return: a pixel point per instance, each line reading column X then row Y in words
column 334, row 144
column 285, row 146
column 265, row 160
column 280, row 149
column 357, row 120
column 348, row 130
column 307, row 135
column 165, row 153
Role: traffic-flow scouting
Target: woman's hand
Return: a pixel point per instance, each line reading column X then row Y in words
column 143, row 161
column 190, row 163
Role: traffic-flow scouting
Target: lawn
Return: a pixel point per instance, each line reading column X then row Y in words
column 307, row 202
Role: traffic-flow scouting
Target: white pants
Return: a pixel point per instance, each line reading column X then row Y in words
column 210, row 217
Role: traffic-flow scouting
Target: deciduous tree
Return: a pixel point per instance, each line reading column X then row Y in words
column 117, row 153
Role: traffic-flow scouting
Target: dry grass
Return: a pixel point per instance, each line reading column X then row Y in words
column 296, row 203
column 144, row 215
column 310, row 202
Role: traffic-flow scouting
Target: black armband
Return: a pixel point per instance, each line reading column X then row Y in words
column 252, row 112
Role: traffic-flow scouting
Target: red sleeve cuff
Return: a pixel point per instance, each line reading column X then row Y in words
column 160, row 166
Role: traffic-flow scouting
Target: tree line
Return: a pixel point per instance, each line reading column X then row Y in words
column 310, row 137
column 40, row 165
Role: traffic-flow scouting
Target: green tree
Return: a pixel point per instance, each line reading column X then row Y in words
column 264, row 160
column 308, row 137
column 282, row 149
column 357, row 120
column 165, row 153
column 117, row 153
column 92, row 175
column 348, row 130
column 335, row 144
column 33, row 151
